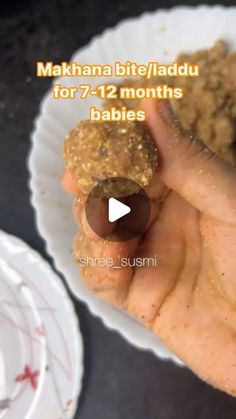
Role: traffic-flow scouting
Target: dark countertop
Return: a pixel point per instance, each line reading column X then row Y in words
column 120, row 382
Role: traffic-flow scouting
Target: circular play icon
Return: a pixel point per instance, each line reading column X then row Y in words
column 118, row 209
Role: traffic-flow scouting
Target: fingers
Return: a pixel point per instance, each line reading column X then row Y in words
column 156, row 189
column 101, row 265
column 101, row 226
column 98, row 214
column 68, row 183
column 101, row 260
column 191, row 169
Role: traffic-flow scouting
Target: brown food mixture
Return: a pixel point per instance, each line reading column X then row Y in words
column 208, row 107
column 94, row 151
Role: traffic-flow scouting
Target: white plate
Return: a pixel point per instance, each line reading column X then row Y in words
column 41, row 348
column 153, row 36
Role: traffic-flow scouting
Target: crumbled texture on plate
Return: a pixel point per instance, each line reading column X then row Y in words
column 94, row 151
column 208, row 107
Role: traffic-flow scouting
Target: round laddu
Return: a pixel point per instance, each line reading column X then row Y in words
column 95, row 151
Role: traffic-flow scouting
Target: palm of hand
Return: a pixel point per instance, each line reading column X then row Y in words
column 187, row 299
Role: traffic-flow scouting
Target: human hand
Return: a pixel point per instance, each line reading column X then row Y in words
column 189, row 298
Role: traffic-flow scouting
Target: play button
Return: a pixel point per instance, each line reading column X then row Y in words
column 117, row 209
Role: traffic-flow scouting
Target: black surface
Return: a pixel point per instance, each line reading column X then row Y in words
column 120, row 381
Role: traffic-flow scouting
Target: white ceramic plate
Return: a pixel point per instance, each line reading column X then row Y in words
column 41, row 348
column 156, row 36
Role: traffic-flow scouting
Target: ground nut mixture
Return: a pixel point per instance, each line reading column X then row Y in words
column 94, row 151
column 208, row 107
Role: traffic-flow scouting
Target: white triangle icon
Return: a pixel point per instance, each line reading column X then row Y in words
column 116, row 209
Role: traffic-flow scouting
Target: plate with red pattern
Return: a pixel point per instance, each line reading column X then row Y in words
column 41, row 351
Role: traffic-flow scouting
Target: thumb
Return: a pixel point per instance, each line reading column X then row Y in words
column 189, row 167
